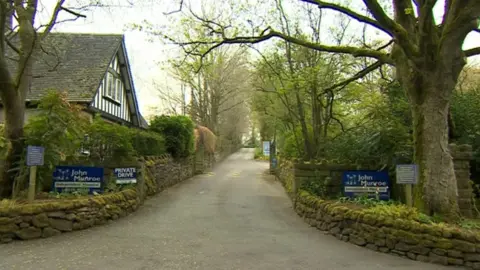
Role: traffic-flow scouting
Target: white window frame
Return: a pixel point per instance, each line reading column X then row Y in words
column 113, row 83
column 110, row 86
column 118, row 89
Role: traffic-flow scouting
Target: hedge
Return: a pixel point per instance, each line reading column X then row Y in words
column 178, row 132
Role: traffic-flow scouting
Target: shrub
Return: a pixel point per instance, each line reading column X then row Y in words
column 59, row 127
column 107, row 141
column 178, row 133
column 147, row 143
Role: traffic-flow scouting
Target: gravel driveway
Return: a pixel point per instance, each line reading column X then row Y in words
column 232, row 218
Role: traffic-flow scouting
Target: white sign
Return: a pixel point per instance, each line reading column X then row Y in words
column 266, row 148
column 35, row 155
column 407, row 174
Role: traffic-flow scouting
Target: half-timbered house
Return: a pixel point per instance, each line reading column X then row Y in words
column 92, row 69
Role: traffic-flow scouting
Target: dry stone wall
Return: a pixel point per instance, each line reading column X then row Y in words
column 434, row 243
column 462, row 154
column 438, row 244
column 43, row 219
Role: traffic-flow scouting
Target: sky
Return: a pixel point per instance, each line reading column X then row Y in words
column 148, row 55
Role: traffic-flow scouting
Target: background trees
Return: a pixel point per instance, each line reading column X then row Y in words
column 425, row 51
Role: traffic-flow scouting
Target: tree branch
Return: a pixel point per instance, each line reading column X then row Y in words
column 11, row 45
column 77, row 14
column 400, row 34
column 472, row 52
column 350, row 13
column 460, row 19
column 364, row 72
column 53, row 19
column 175, row 11
column 269, row 33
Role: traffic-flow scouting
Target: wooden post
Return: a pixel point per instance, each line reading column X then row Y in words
column 32, row 183
column 408, row 195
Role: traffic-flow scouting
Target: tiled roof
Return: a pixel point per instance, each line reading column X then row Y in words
column 71, row 62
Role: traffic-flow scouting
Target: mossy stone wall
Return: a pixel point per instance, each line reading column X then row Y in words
column 462, row 154
column 438, row 244
column 43, row 219
column 36, row 220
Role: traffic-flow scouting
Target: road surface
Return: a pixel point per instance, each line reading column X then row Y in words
column 232, row 218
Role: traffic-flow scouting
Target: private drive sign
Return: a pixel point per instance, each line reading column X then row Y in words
column 125, row 175
column 370, row 183
column 73, row 178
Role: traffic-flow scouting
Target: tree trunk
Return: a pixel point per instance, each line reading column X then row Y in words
column 436, row 192
column 14, row 113
column 14, row 120
column 303, row 124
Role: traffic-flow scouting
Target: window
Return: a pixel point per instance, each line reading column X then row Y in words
column 114, row 87
column 113, row 83
column 110, row 86
column 119, row 89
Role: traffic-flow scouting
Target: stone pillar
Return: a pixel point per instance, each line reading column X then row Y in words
column 462, row 154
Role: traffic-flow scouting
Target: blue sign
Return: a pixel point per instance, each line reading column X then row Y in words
column 370, row 183
column 35, row 155
column 266, row 148
column 74, row 178
column 274, row 163
column 125, row 175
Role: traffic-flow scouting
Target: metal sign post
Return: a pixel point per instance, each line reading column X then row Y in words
column 407, row 174
column 35, row 157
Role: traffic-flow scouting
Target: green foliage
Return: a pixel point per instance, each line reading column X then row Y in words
column 147, row 143
column 59, row 127
column 108, row 141
column 465, row 108
column 394, row 211
column 365, row 200
column 65, row 131
column 391, row 209
column 290, row 147
column 259, row 154
column 384, row 137
column 178, row 132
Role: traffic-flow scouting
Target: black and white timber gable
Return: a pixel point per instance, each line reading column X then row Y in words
column 112, row 95
column 93, row 69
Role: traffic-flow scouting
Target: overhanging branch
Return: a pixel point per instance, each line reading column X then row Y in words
column 73, row 12
column 472, row 52
column 350, row 13
column 398, row 31
column 270, row 33
column 364, row 72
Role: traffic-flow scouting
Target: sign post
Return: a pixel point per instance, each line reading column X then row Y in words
column 266, row 148
column 407, row 174
column 273, row 158
column 35, row 157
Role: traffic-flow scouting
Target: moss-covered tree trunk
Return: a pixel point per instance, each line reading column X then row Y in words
column 14, row 117
column 436, row 191
column 13, row 93
column 429, row 86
